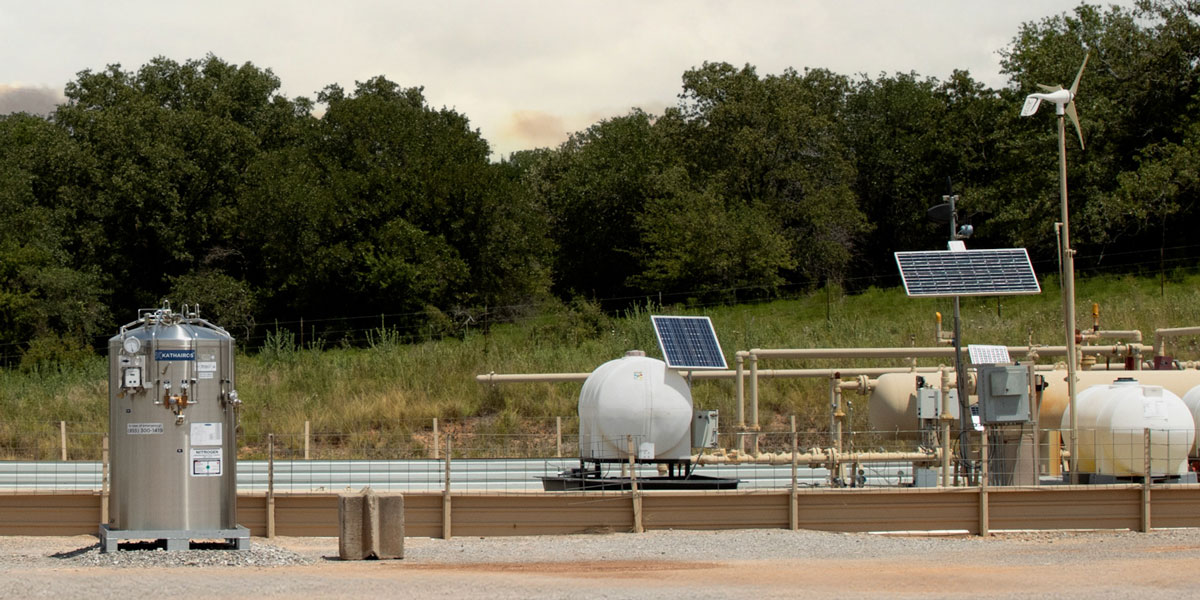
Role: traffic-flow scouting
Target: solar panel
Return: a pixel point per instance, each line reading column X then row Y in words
column 688, row 342
column 997, row 272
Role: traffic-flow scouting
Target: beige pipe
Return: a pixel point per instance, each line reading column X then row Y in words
column 1161, row 335
column 814, row 456
column 1119, row 334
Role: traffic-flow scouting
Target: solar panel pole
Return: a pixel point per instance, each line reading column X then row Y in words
column 965, row 424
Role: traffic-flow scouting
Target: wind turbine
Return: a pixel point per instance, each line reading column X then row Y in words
column 1064, row 106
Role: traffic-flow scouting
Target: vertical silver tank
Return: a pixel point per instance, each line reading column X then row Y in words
column 172, row 425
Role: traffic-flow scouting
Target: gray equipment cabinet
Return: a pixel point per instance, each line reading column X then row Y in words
column 1004, row 394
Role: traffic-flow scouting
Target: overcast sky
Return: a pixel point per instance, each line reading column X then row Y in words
column 526, row 73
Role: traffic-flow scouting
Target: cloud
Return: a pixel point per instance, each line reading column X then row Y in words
column 38, row 100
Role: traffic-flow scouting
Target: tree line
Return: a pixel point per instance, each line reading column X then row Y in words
column 199, row 182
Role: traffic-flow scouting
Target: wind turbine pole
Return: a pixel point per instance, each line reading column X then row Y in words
column 1068, row 288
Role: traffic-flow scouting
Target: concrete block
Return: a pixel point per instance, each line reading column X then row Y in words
column 352, row 514
column 391, row 526
column 370, row 526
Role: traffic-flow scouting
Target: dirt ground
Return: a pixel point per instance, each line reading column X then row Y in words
column 1091, row 565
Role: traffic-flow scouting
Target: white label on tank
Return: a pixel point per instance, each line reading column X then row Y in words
column 1154, row 408
column 206, row 434
column 206, row 366
column 143, row 428
column 206, row 374
column 646, row 451
column 206, row 462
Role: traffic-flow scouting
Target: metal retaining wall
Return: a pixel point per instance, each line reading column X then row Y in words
column 970, row 510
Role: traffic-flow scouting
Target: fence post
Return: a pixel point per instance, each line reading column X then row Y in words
column 104, row 480
column 271, row 485
column 446, row 523
column 62, row 432
column 1146, row 481
column 436, row 442
column 983, row 484
column 637, row 498
column 558, row 435
column 307, row 436
column 793, row 517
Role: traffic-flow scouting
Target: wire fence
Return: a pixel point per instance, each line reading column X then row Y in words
column 448, row 455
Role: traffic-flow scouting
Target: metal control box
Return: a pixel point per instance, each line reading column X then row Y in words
column 929, row 403
column 704, row 429
column 1004, row 394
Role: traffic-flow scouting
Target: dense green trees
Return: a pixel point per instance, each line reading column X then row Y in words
column 199, row 182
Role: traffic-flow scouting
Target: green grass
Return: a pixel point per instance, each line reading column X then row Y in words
column 388, row 394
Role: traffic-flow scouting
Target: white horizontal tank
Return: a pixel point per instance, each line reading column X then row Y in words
column 1112, row 422
column 640, row 397
column 1192, row 400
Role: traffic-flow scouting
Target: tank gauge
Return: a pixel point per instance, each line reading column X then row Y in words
column 132, row 345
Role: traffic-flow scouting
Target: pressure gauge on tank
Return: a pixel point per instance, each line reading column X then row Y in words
column 132, row 345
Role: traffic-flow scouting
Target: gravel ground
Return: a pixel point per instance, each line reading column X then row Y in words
column 669, row 564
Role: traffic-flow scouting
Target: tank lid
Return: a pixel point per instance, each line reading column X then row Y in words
column 635, row 353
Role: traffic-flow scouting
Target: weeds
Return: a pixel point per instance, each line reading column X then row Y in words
column 388, row 394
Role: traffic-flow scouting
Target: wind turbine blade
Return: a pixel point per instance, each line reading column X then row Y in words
column 1075, row 86
column 1049, row 88
column 1074, row 116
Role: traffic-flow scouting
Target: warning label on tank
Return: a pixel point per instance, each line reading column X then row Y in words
column 143, row 428
column 206, row 365
column 206, row 462
column 206, row 434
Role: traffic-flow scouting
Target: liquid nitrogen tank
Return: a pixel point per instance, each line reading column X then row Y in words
column 640, row 397
column 173, row 414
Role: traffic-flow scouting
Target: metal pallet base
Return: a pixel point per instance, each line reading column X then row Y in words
column 176, row 539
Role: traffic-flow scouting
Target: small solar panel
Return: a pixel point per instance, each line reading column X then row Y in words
column 688, row 342
column 997, row 272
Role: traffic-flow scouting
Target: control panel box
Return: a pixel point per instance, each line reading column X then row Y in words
column 1004, row 394
column 704, row 429
column 929, row 403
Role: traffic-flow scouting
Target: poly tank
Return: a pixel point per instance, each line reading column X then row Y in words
column 172, row 427
column 1192, row 400
column 640, row 397
column 1112, row 419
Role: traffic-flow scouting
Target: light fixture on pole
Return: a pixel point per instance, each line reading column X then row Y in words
column 1064, row 107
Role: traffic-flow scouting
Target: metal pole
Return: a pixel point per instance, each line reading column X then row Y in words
column 1146, row 481
column 62, row 431
column 558, row 435
column 104, row 481
column 793, row 517
column 633, row 486
column 270, row 485
column 446, row 523
column 1068, row 262
column 436, row 442
column 983, row 483
column 754, row 394
column 960, row 373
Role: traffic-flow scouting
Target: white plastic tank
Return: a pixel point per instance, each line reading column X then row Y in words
column 635, row 396
column 1112, row 419
column 1192, row 400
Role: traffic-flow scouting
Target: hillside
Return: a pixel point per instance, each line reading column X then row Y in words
column 386, row 396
